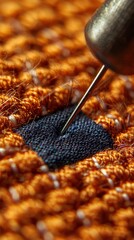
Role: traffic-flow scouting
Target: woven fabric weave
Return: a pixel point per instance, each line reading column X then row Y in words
column 82, row 139
column 45, row 67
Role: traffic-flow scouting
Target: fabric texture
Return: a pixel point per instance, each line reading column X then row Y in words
column 82, row 139
column 45, row 67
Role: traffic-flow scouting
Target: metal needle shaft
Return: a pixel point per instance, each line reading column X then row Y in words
column 84, row 98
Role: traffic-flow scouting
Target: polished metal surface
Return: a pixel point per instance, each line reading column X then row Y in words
column 84, row 98
column 110, row 35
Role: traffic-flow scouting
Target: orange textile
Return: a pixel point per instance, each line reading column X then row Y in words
column 46, row 66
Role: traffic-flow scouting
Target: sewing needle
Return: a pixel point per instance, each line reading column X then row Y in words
column 84, row 98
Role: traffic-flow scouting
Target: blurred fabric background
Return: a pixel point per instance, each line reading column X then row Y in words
column 46, row 66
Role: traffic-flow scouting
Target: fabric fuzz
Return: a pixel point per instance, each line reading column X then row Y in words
column 46, row 66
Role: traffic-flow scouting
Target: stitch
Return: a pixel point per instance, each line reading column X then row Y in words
column 64, row 51
column 48, row 236
column 118, row 195
column 118, row 124
column 14, row 194
column 77, row 95
column 2, row 151
column 110, row 181
column 124, row 195
column 43, row 168
column 96, row 162
column 12, row 119
column 53, row 177
column 32, row 72
column 104, row 173
column 56, row 184
column 102, row 103
column 80, row 214
column 118, row 189
column 8, row 150
column 13, row 166
column 49, row 35
column 41, row 227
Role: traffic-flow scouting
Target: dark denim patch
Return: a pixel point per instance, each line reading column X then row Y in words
column 82, row 139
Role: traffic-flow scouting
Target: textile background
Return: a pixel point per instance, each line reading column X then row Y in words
column 45, row 66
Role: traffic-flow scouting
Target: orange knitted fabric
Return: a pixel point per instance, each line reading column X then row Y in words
column 45, row 66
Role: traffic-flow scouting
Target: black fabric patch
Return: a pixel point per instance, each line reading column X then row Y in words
column 82, row 139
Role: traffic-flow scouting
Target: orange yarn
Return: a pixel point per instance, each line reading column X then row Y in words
column 45, row 65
